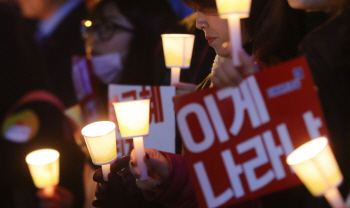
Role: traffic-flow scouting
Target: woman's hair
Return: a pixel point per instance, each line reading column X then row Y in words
column 342, row 8
column 280, row 31
column 207, row 6
column 150, row 19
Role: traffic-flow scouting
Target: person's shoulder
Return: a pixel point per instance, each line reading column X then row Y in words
column 325, row 34
column 322, row 46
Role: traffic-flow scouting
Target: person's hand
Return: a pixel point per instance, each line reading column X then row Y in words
column 157, row 167
column 120, row 190
column 227, row 75
column 184, row 88
column 111, row 192
column 62, row 198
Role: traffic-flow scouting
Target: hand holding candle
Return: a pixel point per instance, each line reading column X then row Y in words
column 133, row 121
column 315, row 165
column 101, row 142
column 177, row 53
column 44, row 168
column 233, row 11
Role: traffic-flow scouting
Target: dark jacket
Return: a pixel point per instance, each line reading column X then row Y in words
column 327, row 52
column 22, row 71
column 58, row 49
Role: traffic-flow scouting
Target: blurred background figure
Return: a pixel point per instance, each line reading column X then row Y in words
column 132, row 33
column 122, row 45
column 56, row 29
column 30, row 124
column 280, row 31
column 327, row 50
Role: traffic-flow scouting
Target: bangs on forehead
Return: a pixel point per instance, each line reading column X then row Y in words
column 205, row 6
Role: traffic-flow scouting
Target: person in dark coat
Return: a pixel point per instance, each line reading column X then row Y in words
column 58, row 33
column 327, row 50
column 31, row 117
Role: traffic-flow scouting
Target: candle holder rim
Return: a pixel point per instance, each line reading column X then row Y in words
column 177, row 35
column 292, row 155
column 177, row 66
column 40, row 150
column 101, row 134
column 126, row 101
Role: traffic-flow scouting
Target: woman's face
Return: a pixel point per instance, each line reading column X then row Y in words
column 309, row 5
column 110, row 33
column 215, row 29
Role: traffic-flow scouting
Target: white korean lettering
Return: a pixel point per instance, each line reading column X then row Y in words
column 233, row 172
column 242, row 100
column 258, row 98
column 204, row 122
column 254, row 182
column 312, row 124
column 216, row 118
column 274, row 152
column 210, row 198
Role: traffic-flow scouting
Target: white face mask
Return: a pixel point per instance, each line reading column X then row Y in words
column 107, row 67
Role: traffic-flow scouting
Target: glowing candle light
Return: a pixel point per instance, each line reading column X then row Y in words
column 44, row 168
column 101, row 142
column 133, row 121
column 177, row 53
column 315, row 165
column 87, row 23
column 233, row 11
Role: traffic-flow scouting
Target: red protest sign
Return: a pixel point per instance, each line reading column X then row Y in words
column 237, row 139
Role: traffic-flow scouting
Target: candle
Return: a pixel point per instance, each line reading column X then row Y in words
column 133, row 121
column 233, row 11
column 315, row 165
column 44, row 168
column 177, row 53
column 101, row 142
column 175, row 75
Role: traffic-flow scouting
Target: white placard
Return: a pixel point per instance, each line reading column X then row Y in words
column 162, row 117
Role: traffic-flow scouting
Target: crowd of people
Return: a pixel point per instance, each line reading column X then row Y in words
column 123, row 46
